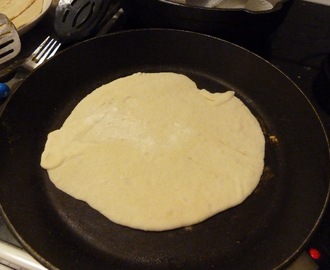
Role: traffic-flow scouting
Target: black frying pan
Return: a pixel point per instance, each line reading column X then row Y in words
column 264, row 232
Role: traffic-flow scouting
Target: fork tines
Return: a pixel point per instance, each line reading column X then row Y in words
column 46, row 50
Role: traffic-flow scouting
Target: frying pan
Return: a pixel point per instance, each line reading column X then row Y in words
column 266, row 231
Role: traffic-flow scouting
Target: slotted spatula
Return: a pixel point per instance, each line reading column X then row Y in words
column 79, row 19
column 10, row 43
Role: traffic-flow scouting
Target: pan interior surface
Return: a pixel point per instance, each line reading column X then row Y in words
column 264, row 232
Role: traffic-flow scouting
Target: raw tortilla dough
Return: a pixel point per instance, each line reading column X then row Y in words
column 151, row 151
column 13, row 8
column 29, row 15
column 21, row 12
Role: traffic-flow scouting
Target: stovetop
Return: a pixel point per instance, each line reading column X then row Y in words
column 300, row 48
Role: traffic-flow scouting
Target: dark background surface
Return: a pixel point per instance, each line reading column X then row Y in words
column 300, row 47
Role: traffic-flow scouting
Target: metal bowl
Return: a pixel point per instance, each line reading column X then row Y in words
column 254, row 6
column 228, row 23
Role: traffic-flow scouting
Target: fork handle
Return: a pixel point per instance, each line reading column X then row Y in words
column 5, row 72
column 9, row 87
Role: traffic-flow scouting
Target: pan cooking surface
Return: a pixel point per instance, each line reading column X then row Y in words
column 264, row 232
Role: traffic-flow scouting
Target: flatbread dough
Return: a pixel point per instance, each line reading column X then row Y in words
column 29, row 15
column 21, row 12
column 13, row 8
column 153, row 152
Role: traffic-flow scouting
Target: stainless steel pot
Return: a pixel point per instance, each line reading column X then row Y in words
column 224, row 22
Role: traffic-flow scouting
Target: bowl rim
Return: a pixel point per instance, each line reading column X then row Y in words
column 278, row 5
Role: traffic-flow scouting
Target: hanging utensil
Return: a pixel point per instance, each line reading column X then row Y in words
column 10, row 43
column 79, row 19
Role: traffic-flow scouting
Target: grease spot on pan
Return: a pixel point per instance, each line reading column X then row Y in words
column 268, row 173
column 188, row 228
column 273, row 139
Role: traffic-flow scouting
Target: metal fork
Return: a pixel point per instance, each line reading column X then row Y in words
column 44, row 52
column 41, row 54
